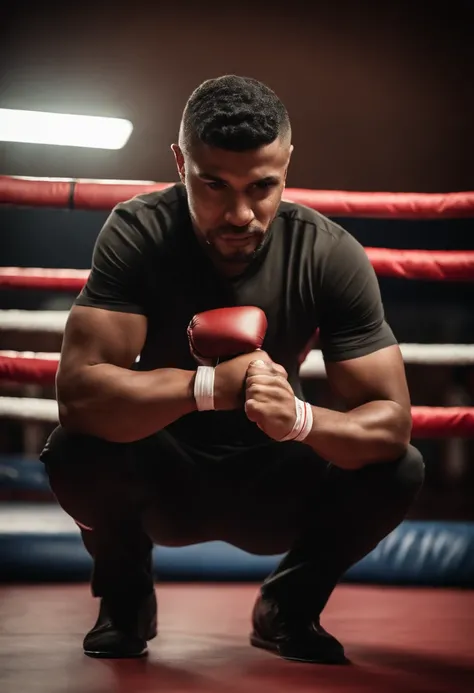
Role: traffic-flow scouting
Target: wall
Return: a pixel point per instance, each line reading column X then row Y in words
column 380, row 98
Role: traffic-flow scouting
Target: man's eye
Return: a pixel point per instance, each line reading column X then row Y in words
column 215, row 185
column 265, row 184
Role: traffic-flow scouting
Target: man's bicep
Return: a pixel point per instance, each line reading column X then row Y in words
column 376, row 376
column 94, row 336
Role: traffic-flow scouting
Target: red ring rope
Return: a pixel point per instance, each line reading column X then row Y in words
column 434, row 265
column 40, row 278
column 104, row 195
column 427, row 421
column 20, row 369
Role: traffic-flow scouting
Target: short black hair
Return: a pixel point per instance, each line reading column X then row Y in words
column 233, row 113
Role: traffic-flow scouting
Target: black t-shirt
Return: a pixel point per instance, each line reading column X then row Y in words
column 311, row 274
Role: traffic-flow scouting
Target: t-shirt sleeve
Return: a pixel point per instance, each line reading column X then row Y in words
column 352, row 320
column 116, row 279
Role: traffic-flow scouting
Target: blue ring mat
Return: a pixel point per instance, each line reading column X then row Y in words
column 40, row 542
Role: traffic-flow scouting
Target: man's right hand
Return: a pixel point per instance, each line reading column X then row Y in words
column 229, row 380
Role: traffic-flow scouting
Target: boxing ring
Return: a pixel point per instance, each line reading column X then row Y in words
column 38, row 540
column 401, row 613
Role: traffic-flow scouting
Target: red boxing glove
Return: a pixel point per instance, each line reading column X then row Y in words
column 226, row 332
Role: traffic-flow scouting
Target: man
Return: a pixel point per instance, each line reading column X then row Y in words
column 145, row 454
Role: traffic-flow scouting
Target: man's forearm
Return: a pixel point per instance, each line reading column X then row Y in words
column 121, row 405
column 374, row 432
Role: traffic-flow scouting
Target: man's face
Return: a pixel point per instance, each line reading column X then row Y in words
column 233, row 196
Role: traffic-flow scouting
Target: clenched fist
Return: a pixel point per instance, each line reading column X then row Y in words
column 269, row 399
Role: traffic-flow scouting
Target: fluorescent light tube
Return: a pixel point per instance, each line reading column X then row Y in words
column 63, row 129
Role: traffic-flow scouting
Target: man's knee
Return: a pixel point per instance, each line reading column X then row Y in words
column 75, row 456
column 399, row 481
column 410, row 470
column 63, row 446
column 84, row 473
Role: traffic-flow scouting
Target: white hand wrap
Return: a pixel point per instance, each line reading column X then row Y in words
column 204, row 388
column 303, row 423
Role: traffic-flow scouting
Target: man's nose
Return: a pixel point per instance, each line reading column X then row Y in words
column 239, row 213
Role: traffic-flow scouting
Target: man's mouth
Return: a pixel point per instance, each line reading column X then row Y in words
column 236, row 239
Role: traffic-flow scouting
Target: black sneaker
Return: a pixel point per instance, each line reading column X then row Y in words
column 122, row 628
column 291, row 636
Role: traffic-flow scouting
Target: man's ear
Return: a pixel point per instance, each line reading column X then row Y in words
column 288, row 164
column 179, row 158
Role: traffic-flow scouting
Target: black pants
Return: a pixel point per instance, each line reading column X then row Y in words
column 272, row 499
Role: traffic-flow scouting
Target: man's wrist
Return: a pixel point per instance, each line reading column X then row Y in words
column 203, row 389
column 189, row 402
column 303, row 424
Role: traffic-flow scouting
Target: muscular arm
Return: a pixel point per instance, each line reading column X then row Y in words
column 97, row 392
column 364, row 366
column 377, row 424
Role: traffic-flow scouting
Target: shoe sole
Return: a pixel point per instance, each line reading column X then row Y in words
column 276, row 649
column 111, row 655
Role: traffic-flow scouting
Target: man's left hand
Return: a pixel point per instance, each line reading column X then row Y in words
column 269, row 399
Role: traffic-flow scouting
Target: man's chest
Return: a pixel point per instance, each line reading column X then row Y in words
column 179, row 291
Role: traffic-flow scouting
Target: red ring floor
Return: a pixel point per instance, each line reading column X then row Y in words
column 399, row 640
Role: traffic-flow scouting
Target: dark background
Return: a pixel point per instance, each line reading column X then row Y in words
column 381, row 99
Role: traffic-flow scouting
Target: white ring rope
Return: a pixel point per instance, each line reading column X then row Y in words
column 29, row 409
column 44, row 355
column 423, row 354
column 428, row 421
column 51, row 321
column 313, row 365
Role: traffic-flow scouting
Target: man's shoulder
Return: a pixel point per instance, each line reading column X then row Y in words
column 165, row 205
column 315, row 226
